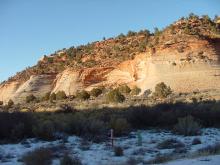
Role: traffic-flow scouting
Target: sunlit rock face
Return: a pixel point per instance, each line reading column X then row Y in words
column 17, row 91
column 195, row 67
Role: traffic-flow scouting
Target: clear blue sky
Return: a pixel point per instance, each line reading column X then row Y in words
column 31, row 28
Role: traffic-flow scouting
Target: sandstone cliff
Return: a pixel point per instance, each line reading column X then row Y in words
column 185, row 62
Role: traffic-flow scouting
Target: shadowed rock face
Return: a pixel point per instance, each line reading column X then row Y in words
column 196, row 67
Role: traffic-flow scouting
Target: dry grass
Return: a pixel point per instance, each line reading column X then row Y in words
column 161, row 159
column 170, row 144
column 40, row 156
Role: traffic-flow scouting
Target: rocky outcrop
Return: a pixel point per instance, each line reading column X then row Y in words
column 37, row 85
column 71, row 80
column 7, row 90
column 197, row 67
column 185, row 65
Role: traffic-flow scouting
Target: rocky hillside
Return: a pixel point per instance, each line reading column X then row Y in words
column 184, row 55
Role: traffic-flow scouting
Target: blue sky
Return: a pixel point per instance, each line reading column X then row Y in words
column 31, row 28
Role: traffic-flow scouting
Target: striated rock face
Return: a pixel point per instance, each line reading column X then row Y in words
column 196, row 68
column 181, row 77
column 67, row 81
column 37, row 85
column 71, row 81
column 185, row 65
column 7, row 90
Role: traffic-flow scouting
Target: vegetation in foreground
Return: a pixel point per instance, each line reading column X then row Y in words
column 40, row 156
column 186, row 119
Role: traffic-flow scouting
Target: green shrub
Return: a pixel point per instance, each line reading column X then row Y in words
column 91, row 128
column 132, row 161
column 211, row 149
column 194, row 100
column 67, row 160
column 196, row 141
column 60, row 95
column 170, row 144
column 65, row 108
column 30, row 98
column 84, row 145
column 162, row 90
column 187, row 126
column 145, row 32
column 52, row 96
column 1, row 102
column 193, row 16
column 40, row 156
column 118, row 151
column 115, row 96
column 18, row 131
column 50, row 59
column 46, row 97
column 95, row 92
column 142, row 47
column 95, row 126
column 83, row 95
column 157, row 32
column 10, row 103
column 131, row 33
column 44, row 129
column 15, row 126
column 135, row 91
column 124, row 89
column 147, row 93
column 159, row 159
column 120, row 36
column 79, row 122
column 120, row 126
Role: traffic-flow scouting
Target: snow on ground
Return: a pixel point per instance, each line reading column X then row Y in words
column 102, row 153
column 208, row 160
